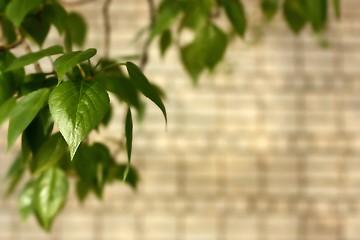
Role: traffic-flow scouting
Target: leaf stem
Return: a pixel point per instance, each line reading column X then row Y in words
column 83, row 75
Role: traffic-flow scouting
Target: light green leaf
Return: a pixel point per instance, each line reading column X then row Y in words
column 18, row 9
column 77, row 107
column 236, row 14
column 165, row 41
column 6, row 108
column 294, row 13
column 51, row 190
column 49, row 154
column 144, row 86
column 33, row 57
column 69, row 60
column 26, row 200
column 24, row 112
column 166, row 16
column 269, row 8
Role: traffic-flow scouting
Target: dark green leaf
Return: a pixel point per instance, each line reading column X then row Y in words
column 18, row 9
column 269, row 8
column 7, row 86
column 39, row 130
column 317, row 13
column 15, row 173
column 77, row 107
column 37, row 27
column 132, row 175
column 236, row 14
column 24, row 112
column 34, row 57
column 54, row 13
column 120, row 85
column 82, row 190
column 49, row 154
column 51, row 190
column 336, row 4
column 129, row 133
column 26, row 200
column 215, row 46
column 144, row 86
column 6, row 108
column 166, row 16
column 165, row 41
column 76, row 28
column 294, row 14
column 8, row 30
column 69, row 60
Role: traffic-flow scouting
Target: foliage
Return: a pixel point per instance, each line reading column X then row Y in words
column 55, row 111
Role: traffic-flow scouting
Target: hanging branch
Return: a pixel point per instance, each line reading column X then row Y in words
column 18, row 41
column 145, row 54
column 107, row 27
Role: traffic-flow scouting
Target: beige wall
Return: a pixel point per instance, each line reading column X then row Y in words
column 265, row 148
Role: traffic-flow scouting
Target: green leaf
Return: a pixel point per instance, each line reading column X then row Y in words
column 76, row 29
column 7, row 86
column 54, row 13
column 37, row 27
column 166, row 16
column 269, row 8
column 336, row 4
column 8, row 30
column 49, row 154
column 82, row 190
column 33, row 57
column 207, row 49
column 6, row 108
column 51, row 190
column 69, row 60
column 236, row 14
column 294, row 14
column 132, row 177
column 317, row 13
column 18, row 9
column 144, row 86
column 77, row 107
column 39, row 130
column 15, row 173
column 129, row 133
column 24, row 112
column 26, row 200
column 121, row 86
column 165, row 42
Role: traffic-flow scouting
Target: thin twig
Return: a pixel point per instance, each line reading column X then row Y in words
column 145, row 52
column 107, row 27
column 18, row 41
column 76, row 3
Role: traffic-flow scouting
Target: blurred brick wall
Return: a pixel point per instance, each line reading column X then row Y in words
column 265, row 148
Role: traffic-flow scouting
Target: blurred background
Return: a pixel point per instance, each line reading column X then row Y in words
column 266, row 147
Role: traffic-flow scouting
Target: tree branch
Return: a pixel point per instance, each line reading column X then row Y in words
column 107, row 27
column 18, row 41
column 145, row 52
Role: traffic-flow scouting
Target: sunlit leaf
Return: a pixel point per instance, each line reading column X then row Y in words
column 144, row 86
column 77, row 107
column 69, row 60
column 26, row 200
column 24, row 112
column 51, row 190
